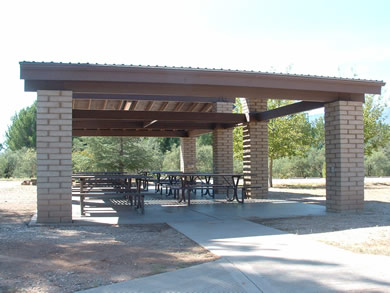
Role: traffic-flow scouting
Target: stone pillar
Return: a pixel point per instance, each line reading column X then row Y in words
column 222, row 145
column 188, row 154
column 255, row 139
column 54, row 156
column 344, row 156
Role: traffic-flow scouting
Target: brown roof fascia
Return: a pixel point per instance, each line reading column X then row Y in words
column 200, row 91
column 161, row 75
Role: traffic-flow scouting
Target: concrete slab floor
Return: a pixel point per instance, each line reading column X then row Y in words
column 116, row 211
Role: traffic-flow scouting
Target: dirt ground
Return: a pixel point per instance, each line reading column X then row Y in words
column 71, row 258
column 367, row 231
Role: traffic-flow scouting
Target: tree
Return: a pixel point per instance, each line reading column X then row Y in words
column 376, row 132
column 115, row 154
column 288, row 136
column 318, row 133
column 167, row 143
column 22, row 132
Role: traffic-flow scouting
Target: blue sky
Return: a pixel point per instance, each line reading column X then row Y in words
column 333, row 38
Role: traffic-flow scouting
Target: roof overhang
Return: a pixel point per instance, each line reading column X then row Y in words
column 68, row 75
column 169, row 101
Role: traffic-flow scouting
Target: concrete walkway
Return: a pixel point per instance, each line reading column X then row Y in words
column 255, row 258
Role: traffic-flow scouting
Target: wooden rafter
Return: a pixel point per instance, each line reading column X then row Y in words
column 122, row 105
column 149, row 106
column 192, row 107
column 178, row 106
column 127, row 106
column 206, row 107
column 163, row 106
column 105, row 104
column 133, row 105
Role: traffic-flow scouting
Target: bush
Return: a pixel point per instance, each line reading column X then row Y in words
column 171, row 160
column 311, row 165
column 204, row 158
column 378, row 164
column 18, row 164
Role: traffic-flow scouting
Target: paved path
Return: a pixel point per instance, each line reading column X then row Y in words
column 279, row 262
column 255, row 258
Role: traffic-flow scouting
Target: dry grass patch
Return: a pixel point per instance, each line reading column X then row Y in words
column 367, row 231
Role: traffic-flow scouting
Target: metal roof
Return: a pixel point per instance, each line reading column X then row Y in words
column 200, row 69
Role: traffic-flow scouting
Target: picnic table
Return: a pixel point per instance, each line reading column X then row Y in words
column 109, row 184
column 188, row 182
column 169, row 180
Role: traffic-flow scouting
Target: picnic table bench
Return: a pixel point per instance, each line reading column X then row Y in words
column 106, row 185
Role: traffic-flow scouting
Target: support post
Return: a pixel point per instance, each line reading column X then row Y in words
column 255, row 140
column 222, row 145
column 344, row 139
column 188, row 154
column 54, row 157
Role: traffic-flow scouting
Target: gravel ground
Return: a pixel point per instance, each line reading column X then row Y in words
column 367, row 231
column 71, row 258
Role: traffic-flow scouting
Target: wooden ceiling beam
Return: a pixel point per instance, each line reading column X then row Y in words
column 288, row 110
column 197, row 132
column 140, row 133
column 157, row 115
column 121, row 124
column 159, row 98
column 148, row 124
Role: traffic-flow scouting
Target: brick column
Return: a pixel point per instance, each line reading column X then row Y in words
column 54, row 156
column 344, row 156
column 222, row 145
column 255, row 139
column 188, row 154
